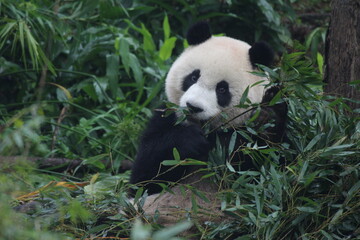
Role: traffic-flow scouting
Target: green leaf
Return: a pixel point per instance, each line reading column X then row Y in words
column 166, row 28
column 307, row 209
column 320, row 62
column 231, row 168
column 269, row 12
column 192, row 162
column 354, row 190
column 136, row 68
column 64, row 90
column 337, row 216
column 112, row 72
column 108, row 10
column 244, row 97
column 303, row 170
column 277, row 183
column 252, row 218
column 140, row 231
column 335, row 150
column 6, row 31
column 100, row 85
column 22, row 40
column 176, row 154
column 326, row 234
column 171, row 162
column 198, row 193
column 255, row 115
column 208, row 175
column 32, row 45
column 276, row 98
column 187, row 162
column 356, row 82
column 124, row 52
column 96, row 161
column 148, row 42
column 169, row 232
column 166, row 48
column 232, row 142
column 99, row 228
column 312, row 143
column 78, row 213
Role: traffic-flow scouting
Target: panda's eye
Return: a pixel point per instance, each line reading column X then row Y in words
column 190, row 79
column 222, row 87
column 221, row 90
column 223, row 94
column 194, row 78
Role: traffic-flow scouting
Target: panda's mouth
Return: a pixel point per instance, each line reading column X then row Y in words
column 194, row 120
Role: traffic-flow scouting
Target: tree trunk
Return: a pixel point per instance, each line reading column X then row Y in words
column 342, row 50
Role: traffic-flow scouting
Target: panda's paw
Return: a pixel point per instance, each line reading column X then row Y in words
column 270, row 94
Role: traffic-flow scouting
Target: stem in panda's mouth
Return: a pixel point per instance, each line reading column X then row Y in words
column 196, row 121
column 232, row 119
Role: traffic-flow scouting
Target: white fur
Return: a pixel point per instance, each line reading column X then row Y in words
column 218, row 58
column 202, row 97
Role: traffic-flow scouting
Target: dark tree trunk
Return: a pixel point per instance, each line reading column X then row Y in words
column 342, row 51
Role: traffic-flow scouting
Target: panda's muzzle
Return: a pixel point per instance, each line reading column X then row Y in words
column 193, row 109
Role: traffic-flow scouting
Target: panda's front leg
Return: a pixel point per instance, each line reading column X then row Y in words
column 157, row 143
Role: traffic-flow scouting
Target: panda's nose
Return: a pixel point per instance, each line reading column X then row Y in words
column 193, row 109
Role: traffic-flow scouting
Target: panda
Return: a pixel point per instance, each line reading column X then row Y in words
column 208, row 80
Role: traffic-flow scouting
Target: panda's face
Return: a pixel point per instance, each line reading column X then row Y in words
column 211, row 77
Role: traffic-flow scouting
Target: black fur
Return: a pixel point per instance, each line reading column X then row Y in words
column 198, row 33
column 223, row 94
column 261, row 53
column 157, row 144
column 190, row 79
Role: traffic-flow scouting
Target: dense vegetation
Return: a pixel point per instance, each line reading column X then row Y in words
column 78, row 81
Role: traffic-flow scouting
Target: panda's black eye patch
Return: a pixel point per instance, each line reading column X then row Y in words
column 223, row 94
column 190, row 79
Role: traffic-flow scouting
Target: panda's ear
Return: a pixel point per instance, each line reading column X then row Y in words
column 261, row 53
column 198, row 33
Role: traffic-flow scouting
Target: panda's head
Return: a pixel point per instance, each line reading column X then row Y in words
column 211, row 75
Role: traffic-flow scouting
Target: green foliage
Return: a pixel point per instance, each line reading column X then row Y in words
column 17, row 26
column 316, row 195
column 78, row 80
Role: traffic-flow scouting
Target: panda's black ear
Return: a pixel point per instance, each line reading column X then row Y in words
column 261, row 53
column 198, row 33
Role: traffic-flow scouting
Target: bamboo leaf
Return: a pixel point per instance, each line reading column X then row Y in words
column 166, row 48
column 22, row 40
column 166, row 28
column 232, row 142
column 172, row 231
column 314, row 141
column 176, row 154
column 112, row 72
column 124, row 54
column 244, row 97
column 320, row 62
column 65, row 91
column 148, row 42
column 136, row 69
